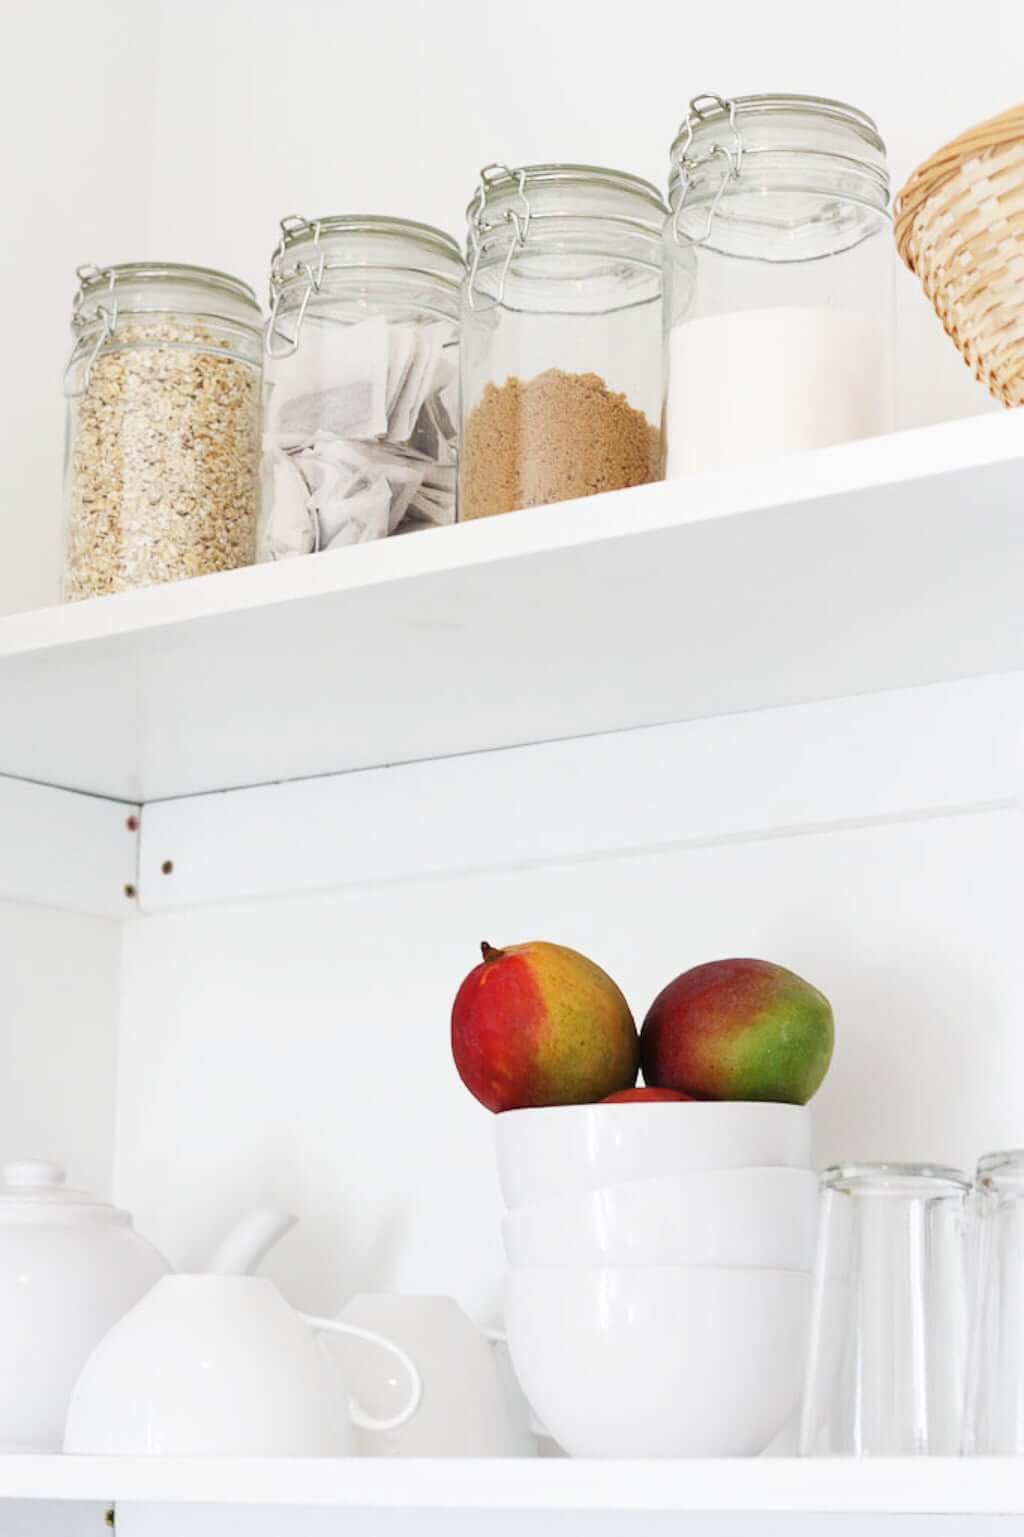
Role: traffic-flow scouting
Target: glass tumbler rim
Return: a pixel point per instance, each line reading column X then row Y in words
column 898, row 1179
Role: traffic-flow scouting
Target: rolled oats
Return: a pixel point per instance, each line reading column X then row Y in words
column 164, row 460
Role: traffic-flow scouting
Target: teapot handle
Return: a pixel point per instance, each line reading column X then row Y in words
column 359, row 1416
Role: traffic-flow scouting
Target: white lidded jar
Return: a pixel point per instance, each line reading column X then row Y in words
column 778, row 269
column 70, row 1266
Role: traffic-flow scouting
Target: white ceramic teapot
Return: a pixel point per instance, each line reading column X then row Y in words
column 221, row 1365
column 70, row 1266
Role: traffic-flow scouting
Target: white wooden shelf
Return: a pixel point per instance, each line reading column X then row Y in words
column 895, row 1486
column 871, row 566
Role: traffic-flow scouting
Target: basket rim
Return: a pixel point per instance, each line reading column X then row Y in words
column 984, row 138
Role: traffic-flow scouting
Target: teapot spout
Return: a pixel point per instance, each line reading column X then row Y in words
column 240, row 1250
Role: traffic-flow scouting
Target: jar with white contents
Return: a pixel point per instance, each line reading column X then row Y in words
column 778, row 281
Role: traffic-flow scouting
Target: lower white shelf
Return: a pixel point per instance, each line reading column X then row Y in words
column 893, row 1486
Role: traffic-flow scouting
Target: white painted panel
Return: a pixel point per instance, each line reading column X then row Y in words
column 438, row 1488
column 45, row 1518
column 869, row 566
column 296, row 1051
column 909, row 752
column 313, row 1521
column 66, row 850
column 59, row 987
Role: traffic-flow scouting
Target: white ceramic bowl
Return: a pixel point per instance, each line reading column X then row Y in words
column 760, row 1217
column 567, row 1149
column 660, row 1363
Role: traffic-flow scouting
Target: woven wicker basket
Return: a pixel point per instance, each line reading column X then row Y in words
column 960, row 227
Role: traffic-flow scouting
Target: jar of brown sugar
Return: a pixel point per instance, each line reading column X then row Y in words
column 562, row 366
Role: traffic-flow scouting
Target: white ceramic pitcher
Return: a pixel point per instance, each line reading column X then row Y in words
column 221, row 1365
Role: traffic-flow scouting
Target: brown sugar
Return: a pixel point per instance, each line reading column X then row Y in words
column 552, row 438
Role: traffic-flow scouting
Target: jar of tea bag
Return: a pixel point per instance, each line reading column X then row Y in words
column 361, row 408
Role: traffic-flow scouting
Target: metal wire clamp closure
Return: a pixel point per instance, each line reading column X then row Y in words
column 689, row 166
column 105, row 313
column 313, row 272
column 518, row 220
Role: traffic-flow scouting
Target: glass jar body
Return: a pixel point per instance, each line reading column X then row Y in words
column 778, row 286
column 361, row 411
column 163, row 429
column 562, row 366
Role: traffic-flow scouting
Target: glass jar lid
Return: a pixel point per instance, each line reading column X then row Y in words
column 140, row 288
column 315, row 260
column 803, row 165
column 573, row 209
column 310, row 250
column 538, row 192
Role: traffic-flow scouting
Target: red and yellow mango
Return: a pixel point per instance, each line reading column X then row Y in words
column 738, row 1029
column 539, row 1024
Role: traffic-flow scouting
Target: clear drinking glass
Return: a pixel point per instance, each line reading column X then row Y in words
column 994, row 1414
column 888, row 1324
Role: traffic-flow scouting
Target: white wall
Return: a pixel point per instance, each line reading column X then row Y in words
column 184, row 129
column 393, row 109
column 76, row 91
column 59, row 986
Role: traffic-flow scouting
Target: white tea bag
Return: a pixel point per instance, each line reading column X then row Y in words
column 357, row 419
column 329, row 483
column 401, row 352
column 445, row 401
column 434, row 507
column 382, row 461
column 336, row 383
column 286, row 524
column 357, row 518
column 429, row 342
column 439, row 478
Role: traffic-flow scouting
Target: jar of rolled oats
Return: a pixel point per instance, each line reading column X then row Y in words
column 163, row 434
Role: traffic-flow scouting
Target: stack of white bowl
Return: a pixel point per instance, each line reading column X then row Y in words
column 661, row 1257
